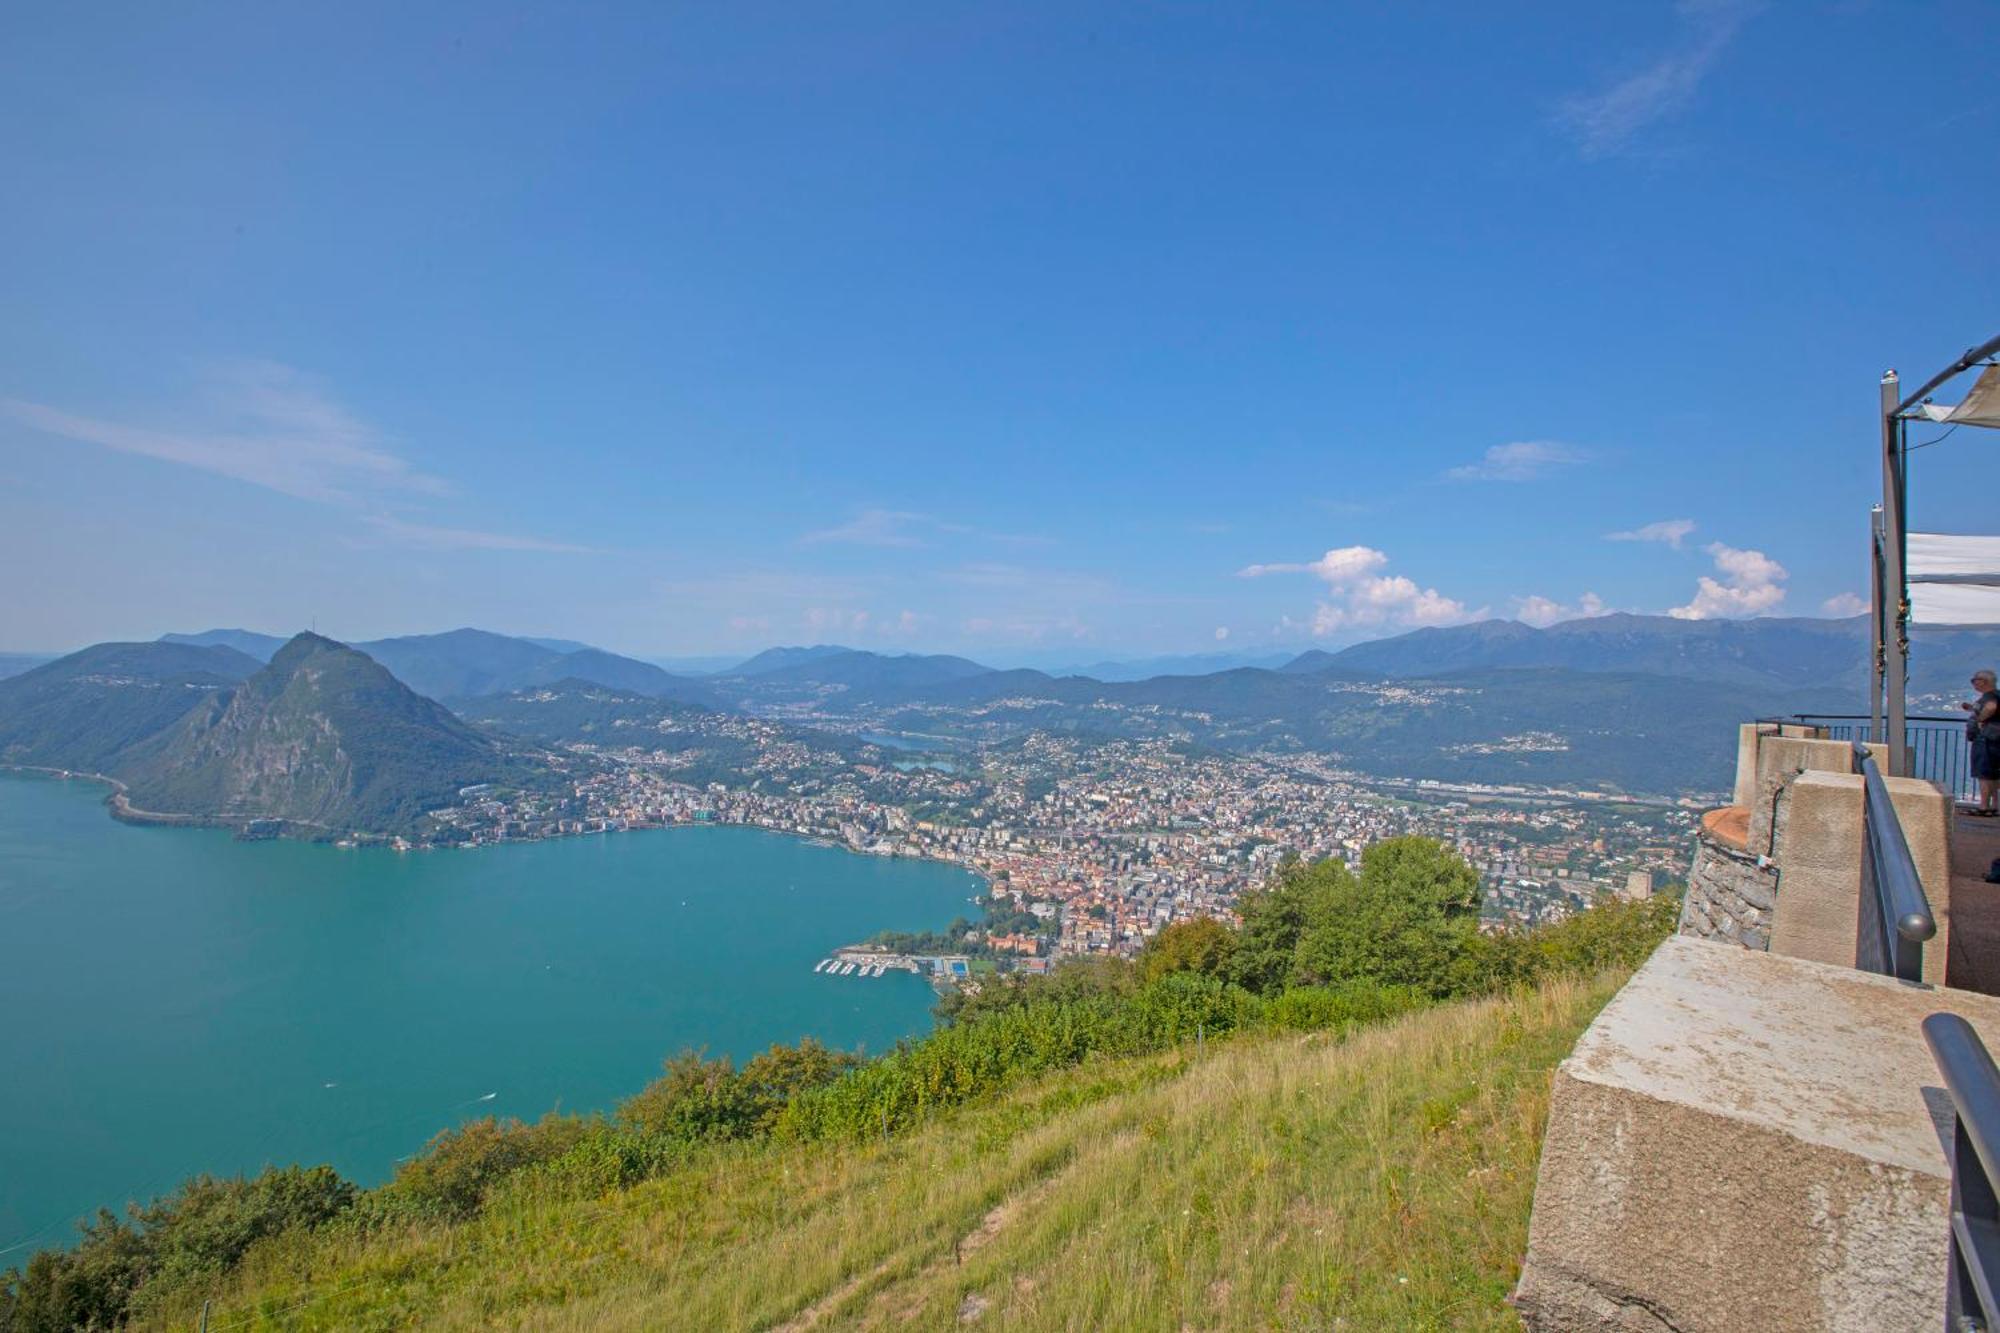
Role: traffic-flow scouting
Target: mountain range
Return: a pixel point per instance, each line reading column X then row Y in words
column 237, row 725
column 468, row 663
column 321, row 738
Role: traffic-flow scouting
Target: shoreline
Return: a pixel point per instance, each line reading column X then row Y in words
column 122, row 810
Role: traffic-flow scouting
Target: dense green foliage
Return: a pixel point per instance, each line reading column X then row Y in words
column 964, row 936
column 1319, row 948
column 85, row 710
column 192, row 1235
column 322, row 737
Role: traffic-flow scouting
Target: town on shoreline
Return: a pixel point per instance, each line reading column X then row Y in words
column 1081, row 847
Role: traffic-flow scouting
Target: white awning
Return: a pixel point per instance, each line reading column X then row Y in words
column 1954, row 606
column 1954, row 580
column 1980, row 408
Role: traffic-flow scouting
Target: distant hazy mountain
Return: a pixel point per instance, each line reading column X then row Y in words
column 259, row 646
column 1189, row 664
column 710, row 664
column 468, row 663
column 850, row 674
column 83, row 711
column 778, row 659
column 323, row 736
column 1548, row 726
column 1773, row 651
column 13, row 664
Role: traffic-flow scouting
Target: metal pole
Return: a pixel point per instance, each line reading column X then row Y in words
column 1895, row 592
column 1876, row 624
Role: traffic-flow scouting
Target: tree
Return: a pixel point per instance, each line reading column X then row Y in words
column 1203, row 945
column 777, row 1075
column 1276, row 917
column 1410, row 919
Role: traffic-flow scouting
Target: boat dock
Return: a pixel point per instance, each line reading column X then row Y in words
column 866, row 962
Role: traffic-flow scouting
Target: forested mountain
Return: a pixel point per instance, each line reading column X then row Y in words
column 324, row 737
column 467, row 663
column 1772, row 651
column 83, row 711
column 249, row 642
column 777, row 659
column 1630, row 730
column 852, row 674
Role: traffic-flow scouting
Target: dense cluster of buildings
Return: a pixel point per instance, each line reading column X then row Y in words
column 1102, row 842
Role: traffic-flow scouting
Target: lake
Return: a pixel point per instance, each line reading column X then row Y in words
column 174, row 1001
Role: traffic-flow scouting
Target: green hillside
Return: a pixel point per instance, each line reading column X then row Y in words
column 323, row 737
column 1273, row 1181
column 85, row 710
column 1327, row 1116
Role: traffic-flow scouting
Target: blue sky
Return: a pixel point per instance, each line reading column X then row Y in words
column 1030, row 332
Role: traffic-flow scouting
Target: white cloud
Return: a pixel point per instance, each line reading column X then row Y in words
column 834, row 620
column 465, row 539
column 1670, row 531
column 1026, row 628
column 1337, row 566
column 1605, row 122
column 872, row 527
column 1221, row 633
column 1542, row 612
column 1522, row 460
column 906, row 528
column 1359, row 597
column 1751, row 584
column 272, row 427
column 1844, row 604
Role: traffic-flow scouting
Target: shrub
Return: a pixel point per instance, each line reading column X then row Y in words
column 1203, row 945
column 1311, row 1008
column 199, row 1231
column 459, row 1167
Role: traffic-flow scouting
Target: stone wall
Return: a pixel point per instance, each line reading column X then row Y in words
column 1730, row 897
column 1744, row 1141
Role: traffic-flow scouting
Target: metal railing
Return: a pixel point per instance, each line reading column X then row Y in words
column 1937, row 746
column 1973, row 1278
column 1892, row 936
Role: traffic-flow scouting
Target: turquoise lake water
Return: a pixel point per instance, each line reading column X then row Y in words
column 174, row 1001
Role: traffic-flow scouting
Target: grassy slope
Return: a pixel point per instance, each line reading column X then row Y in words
column 1382, row 1181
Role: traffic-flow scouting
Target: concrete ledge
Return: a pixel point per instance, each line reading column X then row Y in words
column 1747, row 1141
column 1825, row 892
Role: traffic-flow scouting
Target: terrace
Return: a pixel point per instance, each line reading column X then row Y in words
column 1788, row 1119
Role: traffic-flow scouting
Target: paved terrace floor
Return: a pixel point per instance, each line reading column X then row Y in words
column 1974, row 963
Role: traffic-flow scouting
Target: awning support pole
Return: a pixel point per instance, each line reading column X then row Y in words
column 1877, row 625
column 1895, row 591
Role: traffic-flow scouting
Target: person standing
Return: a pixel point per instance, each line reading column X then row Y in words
column 1982, row 729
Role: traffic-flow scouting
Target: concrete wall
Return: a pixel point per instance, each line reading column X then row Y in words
column 1743, row 1141
column 1824, row 887
column 1780, row 762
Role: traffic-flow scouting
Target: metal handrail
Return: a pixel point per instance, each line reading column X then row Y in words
column 1902, row 917
column 1974, row 1084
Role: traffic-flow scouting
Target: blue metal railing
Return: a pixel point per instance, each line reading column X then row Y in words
column 1970, row 1077
column 1938, row 749
column 1891, row 938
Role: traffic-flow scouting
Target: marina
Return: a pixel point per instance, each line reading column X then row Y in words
column 942, row 970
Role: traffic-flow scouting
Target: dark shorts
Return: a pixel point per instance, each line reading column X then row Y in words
column 1985, row 758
